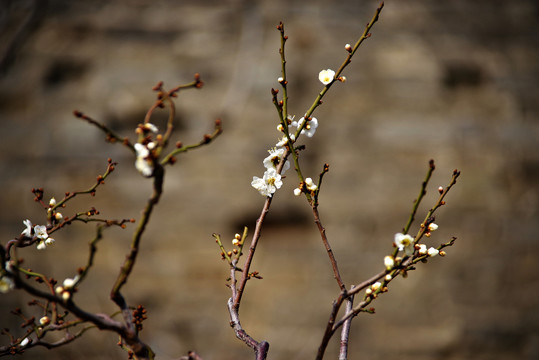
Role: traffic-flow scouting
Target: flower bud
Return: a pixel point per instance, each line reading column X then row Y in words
column 389, row 262
column 44, row 321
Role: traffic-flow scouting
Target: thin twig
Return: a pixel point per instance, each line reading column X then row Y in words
column 422, row 193
column 251, row 253
column 332, row 259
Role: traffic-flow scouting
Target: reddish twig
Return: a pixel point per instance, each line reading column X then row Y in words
column 260, row 348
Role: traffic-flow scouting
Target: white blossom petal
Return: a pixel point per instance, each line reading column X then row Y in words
column 326, row 76
column 28, row 231
column 405, row 242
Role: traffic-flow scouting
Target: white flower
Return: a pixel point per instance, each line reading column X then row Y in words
column 389, row 262
column 311, row 186
column 151, row 127
column 274, row 158
column 297, row 191
column 28, row 231
column 284, row 140
column 41, row 232
column 69, row 283
column 280, row 79
column 6, row 284
column 422, row 249
column 52, row 202
column 41, row 245
column 49, row 241
column 405, row 242
column 310, row 127
column 326, row 76
column 142, row 151
column 267, row 185
column 376, row 286
column 433, row 226
column 144, row 163
column 25, row 342
column 433, row 252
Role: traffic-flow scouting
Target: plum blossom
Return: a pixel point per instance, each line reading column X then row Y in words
column 151, row 127
column 310, row 185
column 326, row 76
column 269, row 183
column 283, row 141
column 433, row 252
column 274, row 158
column 310, row 127
column 28, row 231
column 405, row 242
column 389, row 262
column 6, row 284
column 144, row 163
column 41, row 232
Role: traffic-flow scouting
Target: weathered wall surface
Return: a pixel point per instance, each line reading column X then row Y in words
column 453, row 81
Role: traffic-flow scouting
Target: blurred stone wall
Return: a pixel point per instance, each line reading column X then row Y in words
column 455, row 81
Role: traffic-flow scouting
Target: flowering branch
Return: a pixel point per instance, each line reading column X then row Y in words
column 149, row 164
column 395, row 266
column 150, row 148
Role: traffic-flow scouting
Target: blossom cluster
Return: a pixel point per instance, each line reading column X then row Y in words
column 39, row 232
column 67, row 288
column 145, row 162
column 271, row 180
column 406, row 243
column 268, row 184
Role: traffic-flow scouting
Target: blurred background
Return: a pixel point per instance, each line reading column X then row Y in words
column 452, row 81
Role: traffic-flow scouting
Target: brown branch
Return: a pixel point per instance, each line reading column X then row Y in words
column 111, row 135
column 251, row 253
column 260, row 348
column 322, row 230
